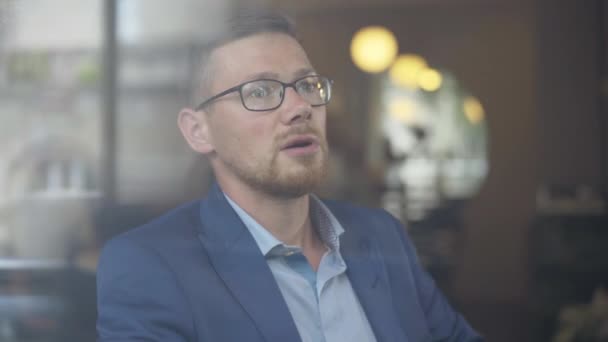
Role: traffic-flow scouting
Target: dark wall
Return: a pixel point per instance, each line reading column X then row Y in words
column 568, row 93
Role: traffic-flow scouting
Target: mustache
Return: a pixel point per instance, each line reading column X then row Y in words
column 298, row 130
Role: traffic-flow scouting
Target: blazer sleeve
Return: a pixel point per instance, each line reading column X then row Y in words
column 138, row 297
column 445, row 324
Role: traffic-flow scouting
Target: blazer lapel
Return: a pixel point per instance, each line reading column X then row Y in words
column 365, row 270
column 239, row 262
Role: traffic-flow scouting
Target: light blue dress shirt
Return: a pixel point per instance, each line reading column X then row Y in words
column 322, row 304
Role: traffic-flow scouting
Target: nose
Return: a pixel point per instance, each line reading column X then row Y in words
column 295, row 107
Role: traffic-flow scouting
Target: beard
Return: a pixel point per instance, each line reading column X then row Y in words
column 291, row 177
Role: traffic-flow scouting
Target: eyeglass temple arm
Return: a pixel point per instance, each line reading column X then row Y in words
column 217, row 96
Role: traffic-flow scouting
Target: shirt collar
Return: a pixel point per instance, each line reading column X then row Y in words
column 328, row 227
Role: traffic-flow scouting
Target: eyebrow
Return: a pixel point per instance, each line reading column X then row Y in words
column 305, row 72
column 274, row 76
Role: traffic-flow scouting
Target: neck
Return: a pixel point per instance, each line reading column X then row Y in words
column 287, row 219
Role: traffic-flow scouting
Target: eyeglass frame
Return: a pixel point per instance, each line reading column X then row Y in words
column 239, row 88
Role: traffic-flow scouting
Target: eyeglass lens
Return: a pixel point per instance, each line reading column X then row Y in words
column 268, row 94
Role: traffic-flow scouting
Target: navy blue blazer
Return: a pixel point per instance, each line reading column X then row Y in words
column 196, row 274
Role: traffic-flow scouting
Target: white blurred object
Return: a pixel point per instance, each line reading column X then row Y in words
column 159, row 21
column 45, row 225
column 77, row 24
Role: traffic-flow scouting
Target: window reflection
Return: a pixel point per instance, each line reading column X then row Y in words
column 50, row 142
column 156, row 74
column 436, row 139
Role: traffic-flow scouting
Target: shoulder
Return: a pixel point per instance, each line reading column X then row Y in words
column 158, row 238
column 139, row 281
column 180, row 221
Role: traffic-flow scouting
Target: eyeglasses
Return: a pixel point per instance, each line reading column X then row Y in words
column 267, row 94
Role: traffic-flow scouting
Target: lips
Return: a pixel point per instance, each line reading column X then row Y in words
column 299, row 141
column 301, row 145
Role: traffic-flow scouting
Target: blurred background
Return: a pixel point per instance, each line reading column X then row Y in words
column 481, row 124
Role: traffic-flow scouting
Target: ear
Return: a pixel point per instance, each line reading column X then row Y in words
column 195, row 129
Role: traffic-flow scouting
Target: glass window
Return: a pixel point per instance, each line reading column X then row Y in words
column 50, row 149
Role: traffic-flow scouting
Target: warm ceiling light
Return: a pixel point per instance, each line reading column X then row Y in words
column 429, row 79
column 373, row 49
column 404, row 71
column 473, row 110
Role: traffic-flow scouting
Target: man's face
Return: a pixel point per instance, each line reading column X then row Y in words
column 282, row 152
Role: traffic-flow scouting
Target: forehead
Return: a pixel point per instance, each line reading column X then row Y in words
column 262, row 54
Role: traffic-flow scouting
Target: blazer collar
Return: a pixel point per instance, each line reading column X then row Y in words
column 239, row 262
column 366, row 271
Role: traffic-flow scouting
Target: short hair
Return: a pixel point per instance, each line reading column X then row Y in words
column 242, row 24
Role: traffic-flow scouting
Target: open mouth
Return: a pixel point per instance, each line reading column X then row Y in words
column 301, row 145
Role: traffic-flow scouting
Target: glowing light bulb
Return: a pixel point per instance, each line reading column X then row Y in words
column 404, row 71
column 373, row 49
column 473, row 110
column 429, row 79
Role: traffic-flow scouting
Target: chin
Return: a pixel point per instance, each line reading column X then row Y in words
column 290, row 191
column 296, row 184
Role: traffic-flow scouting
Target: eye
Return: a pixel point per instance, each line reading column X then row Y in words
column 259, row 89
column 309, row 86
column 258, row 92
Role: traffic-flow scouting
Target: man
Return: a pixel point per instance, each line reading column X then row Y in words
column 261, row 258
